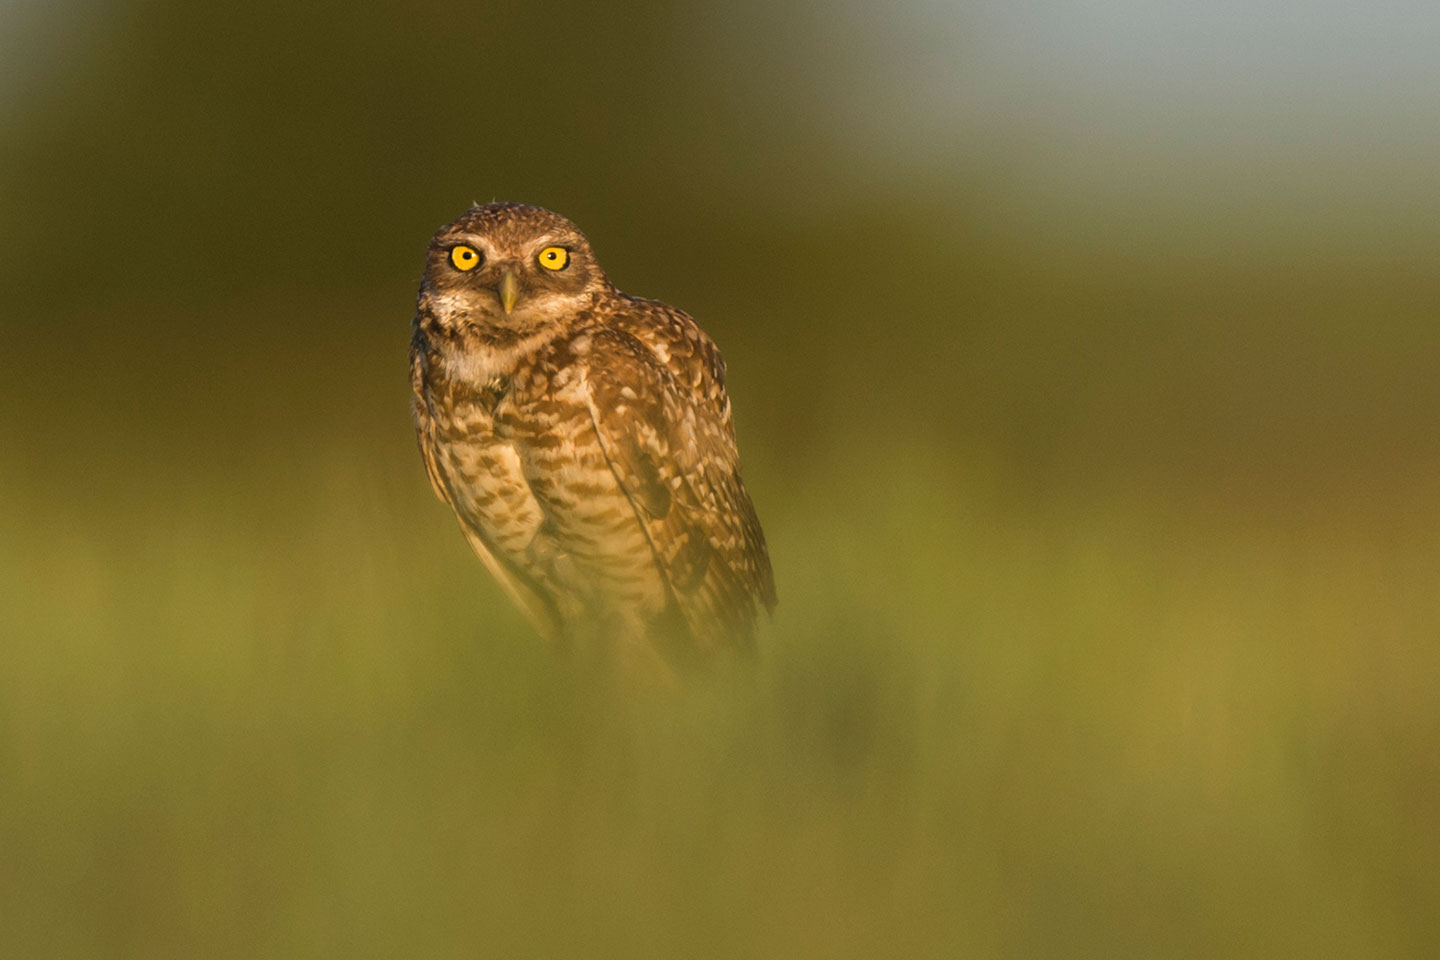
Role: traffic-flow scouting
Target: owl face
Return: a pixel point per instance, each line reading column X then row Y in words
column 504, row 270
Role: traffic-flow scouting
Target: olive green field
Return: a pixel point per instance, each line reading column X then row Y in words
column 1090, row 407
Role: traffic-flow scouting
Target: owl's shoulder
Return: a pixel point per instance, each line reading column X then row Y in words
column 607, row 357
column 676, row 341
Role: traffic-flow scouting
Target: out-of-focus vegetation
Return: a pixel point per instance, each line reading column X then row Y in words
column 1093, row 426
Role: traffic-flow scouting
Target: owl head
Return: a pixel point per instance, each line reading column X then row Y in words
column 505, row 270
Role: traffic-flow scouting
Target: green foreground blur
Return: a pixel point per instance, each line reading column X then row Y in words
column 1096, row 448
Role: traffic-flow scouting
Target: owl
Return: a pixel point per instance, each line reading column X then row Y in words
column 583, row 438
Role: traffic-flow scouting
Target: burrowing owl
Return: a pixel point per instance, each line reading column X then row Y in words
column 583, row 438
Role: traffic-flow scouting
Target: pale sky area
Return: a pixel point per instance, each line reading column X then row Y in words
column 1158, row 61
column 1122, row 104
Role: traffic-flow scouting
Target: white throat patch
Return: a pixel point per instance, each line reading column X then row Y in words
column 481, row 364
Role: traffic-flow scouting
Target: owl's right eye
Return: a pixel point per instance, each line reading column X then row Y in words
column 464, row 258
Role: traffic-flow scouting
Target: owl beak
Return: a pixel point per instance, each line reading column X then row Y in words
column 509, row 290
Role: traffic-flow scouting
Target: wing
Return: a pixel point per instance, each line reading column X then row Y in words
column 675, row 458
column 682, row 347
column 420, row 413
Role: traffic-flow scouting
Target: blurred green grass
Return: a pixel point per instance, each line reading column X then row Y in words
column 1094, row 439
column 301, row 722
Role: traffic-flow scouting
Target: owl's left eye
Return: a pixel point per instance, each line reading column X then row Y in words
column 554, row 258
column 464, row 258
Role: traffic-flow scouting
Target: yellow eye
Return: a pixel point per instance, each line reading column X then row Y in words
column 464, row 258
column 554, row 258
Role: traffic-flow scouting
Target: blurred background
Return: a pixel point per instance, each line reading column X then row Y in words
column 1083, row 356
